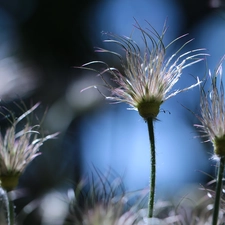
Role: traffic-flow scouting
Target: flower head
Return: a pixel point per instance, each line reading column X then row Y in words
column 148, row 77
column 212, row 117
column 18, row 148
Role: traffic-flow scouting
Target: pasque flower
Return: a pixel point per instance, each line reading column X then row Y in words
column 212, row 125
column 147, row 79
column 18, row 147
column 148, row 76
column 212, row 104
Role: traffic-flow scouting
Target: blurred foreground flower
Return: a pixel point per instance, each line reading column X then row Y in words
column 212, row 120
column 103, row 200
column 18, row 149
column 108, row 215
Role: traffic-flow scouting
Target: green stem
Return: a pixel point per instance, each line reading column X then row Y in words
column 218, row 190
column 7, row 207
column 11, row 213
column 153, row 168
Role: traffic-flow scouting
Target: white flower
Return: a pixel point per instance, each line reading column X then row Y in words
column 148, row 77
column 213, row 112
column 19, row 148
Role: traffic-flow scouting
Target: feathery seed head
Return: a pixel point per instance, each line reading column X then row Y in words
column 212, row 104
column 18, row 149
column 147, row 78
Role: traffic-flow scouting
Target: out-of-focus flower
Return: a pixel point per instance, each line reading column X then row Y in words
column 147, row 78
column 18, row 149
column 108, row 215
column 17, row 78
column 213, row 112
column 117, row 214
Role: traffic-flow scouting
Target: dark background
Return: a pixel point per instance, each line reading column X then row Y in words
column 52, row 35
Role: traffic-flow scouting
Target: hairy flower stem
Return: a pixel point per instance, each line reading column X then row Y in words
column 11, row 213
column 153, row 168
column 4, row 207
column 218, row 190
column 7, row 212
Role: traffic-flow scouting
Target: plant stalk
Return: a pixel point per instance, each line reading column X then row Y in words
column 218, row 191
column 11, row 213
column 153, row 168
column 6, row 208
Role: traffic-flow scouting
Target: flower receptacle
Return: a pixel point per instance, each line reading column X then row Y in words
column 219, row 146
column 9, row 181
column 149, row 109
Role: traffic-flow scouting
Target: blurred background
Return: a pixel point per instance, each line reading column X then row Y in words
column 41, row 44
